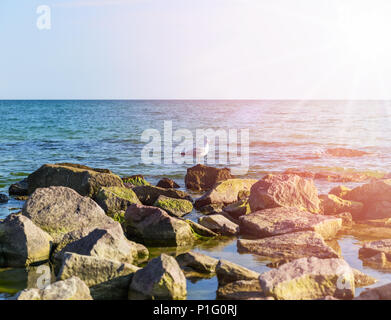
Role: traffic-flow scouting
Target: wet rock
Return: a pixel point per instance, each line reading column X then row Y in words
column 149, row 194
column 114, row 199
column 332, row 205
column 362, row 279
column 167, row 183
column 155, row 227
column 201, row 230
column 198, row 262
column 289, row 246
column 347, row 219
column 340, row 191
column 60, row 210
column 276, row 221
column 343, row 152
column 107, row 243
column 284, row 191
column 70, row 289
column 376, row 254
column 238, row 209
column 309, row 278
column 228, row 272
column 241, row 290
column 212, row 208
column 174, row 207
column 3, row 198
column 107, row 279
column 225, row 192
column 376, row 199
column 219, row 224
column 136, row 180
column 201, row 177
column 22, row 243
column 19, row 189
column 84, row 180
column 161, row 278
column 379, row 293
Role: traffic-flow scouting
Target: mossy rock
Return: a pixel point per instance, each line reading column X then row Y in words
column 115, row 199
column 174, row 207
column 238, row 209
column 136, row 180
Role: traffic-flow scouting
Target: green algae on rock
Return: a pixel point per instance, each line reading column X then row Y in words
column 136, row 180
column 115, row 199
column 149, row 194
column 174, row 207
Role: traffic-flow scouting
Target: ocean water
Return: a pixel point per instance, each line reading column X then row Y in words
column 107, row 134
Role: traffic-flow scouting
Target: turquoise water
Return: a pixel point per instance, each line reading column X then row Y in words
column 106, row 134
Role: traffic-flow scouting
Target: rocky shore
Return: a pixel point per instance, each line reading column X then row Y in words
column 96, row 230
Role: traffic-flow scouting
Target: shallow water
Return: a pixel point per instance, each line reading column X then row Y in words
column 283, row 134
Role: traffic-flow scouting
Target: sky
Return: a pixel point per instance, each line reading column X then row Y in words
column 196, row 49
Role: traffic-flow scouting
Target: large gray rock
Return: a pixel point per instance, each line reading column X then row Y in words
column 107, row 279
column 284, row 191
column 70, row 289
column 155, row 227
column 149, row 194
column 115, row 199
column 227, row 272
column 219, row 224
column 225, row 192
column 22, row 243
column 107, row 243
column 309, row 279
column 241, row 290
column 289, row 246
column 161, row 278
column 85, row 180
column 198, row 262
column 276, row 221
column 201, row 177
column 60, row 210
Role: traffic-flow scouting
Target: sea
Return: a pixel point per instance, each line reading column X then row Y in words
column 111, row 134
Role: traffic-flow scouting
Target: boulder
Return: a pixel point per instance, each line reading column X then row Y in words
column 70, row 289
column 289, row 246
column 149, row 194
column 238, row 209
column 175, row 207
column 241, row 290
column 343, row 152
column 347, row 219
column 114, row 199
column 212, row 208
column 340, row 191
column 219, row 224
column 19, row 189
column 228, row 272
column 136, row 180
column 107, row 243
column 167, row 183
column 284, row 191
column 197, row 261
column 3, row 198
column 376, row 254
column 309, row 279
column 201, row 230
column 155, row 227
column 379, row 293
column 107, row 279
column 276, row 221
column 333, row 205
column 22, row 243
column 362, row 280
column 161, row 278
column 60, row 210
column 84, row 180
column 201, row 177
column 375, row 196
column 225, row 192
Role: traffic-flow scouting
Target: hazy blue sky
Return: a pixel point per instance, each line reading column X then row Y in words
column 280, row 49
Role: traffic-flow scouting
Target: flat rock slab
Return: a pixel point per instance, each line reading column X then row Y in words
column 241, row 290
column 148, row 194
column 289, row 246
column 309, row 279
column 198, row 262
column 276, row 221
column 219, row 224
